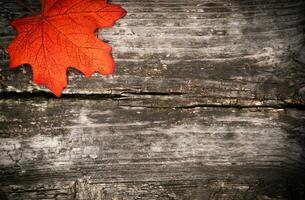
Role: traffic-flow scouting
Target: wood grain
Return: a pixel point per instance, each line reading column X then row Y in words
column 211, row 52
column 207, row 103
column 96, row 149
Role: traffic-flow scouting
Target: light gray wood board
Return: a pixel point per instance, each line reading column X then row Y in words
column 98, row 149
column 223, row 52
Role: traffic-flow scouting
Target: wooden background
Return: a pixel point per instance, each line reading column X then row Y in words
column 207, row 102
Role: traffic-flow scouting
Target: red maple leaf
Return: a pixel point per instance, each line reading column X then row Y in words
column 62, row 36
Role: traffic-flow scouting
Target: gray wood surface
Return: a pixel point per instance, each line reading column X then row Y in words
column 97, row 149
column 210, row 52
column 207, row 102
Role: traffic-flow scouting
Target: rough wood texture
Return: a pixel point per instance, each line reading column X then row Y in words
column 202, row 106
column 96, row 149
column 209, row 52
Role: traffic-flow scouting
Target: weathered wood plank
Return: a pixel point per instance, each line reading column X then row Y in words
column 210, row 52
column 98, row 149
column 155, row 138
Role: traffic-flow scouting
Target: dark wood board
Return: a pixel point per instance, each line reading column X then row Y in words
column 97, row 149
column 207, row 102
column 211, row 52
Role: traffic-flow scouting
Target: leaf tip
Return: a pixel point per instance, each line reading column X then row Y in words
column 57, row 94
column 57, row 91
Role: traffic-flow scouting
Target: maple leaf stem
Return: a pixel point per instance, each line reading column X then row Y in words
column 24, row 5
